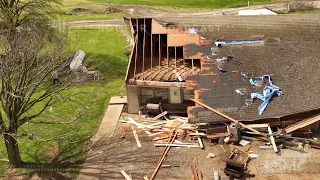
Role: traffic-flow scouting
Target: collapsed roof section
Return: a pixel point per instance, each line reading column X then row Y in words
column 160, row 53
column 181, row 52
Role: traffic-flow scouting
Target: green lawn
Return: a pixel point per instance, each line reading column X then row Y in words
column 207, row 4
column 104, row 47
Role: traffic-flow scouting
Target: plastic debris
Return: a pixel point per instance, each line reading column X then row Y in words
column 244, row 142
column 216, row 175
column 253, row 155
column 219, row 44
column 211, row 155
column 268, row 93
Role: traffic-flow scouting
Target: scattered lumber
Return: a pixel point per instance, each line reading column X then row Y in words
column 225, row 116
column 163, row 155
column 301, row 124
column 125, row 175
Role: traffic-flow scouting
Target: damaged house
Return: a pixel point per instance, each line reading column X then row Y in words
column 222, row 62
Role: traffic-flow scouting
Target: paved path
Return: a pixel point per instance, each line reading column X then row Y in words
column 94, row 163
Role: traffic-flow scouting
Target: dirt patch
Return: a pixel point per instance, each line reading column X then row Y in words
column 80, row 11
column 111, row 10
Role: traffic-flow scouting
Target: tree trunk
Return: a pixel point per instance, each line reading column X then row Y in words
column 12, row 151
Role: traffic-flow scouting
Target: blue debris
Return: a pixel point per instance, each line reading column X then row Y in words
column 238, row 42
column 254, row 82
column 245, row 42
column 268, row 93
column 192, row 31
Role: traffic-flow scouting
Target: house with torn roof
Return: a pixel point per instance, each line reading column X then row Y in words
column 213, row 59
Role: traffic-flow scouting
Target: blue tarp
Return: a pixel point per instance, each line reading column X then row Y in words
column 268, row 93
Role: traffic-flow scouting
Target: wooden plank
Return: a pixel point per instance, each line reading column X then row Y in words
column 159, row 84
column 194, row 172
column 177, row 145
column 144, row 45
column 273, row 142
column 167, row 61
column 136, row 136
column 224, row 115
column 302, row 124
column 125, row 175
column 151, row 58
column 160, row 115
column 163, row 156
column 136, row 55
column 258, row 125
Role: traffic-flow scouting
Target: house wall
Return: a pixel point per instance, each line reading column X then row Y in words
column 133, row 98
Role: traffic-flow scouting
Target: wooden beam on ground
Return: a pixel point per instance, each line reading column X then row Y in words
column 273, row 142
column 200, row 141
column 125, row 175
column 164, row 155
column 194, row 172
column 301, row 124
column 136, row 136
column 144, row 45
column 136, row 55
column 225, row 116
column 160, row 115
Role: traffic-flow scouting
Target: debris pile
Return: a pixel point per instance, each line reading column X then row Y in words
column 175, row 131
column 111, row 10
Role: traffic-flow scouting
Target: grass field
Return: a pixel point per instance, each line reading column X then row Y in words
column 96, row 8
column 104, row 47
column 207, row 4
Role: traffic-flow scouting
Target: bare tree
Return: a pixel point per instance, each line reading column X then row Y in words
column 30, row 53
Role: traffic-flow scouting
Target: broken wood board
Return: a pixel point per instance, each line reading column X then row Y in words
column 200, row 141
column 125, row 175
column 162, row 136
column 177, row 145
column 173, row 124
column 302, row 124
column 224, row 115
column 273, row 142
column 136, row 136
column 160, row 115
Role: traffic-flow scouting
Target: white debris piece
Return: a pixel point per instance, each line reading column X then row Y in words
column 244, row 142
column 256, row 12
column 76, row 63
column 253, row 155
